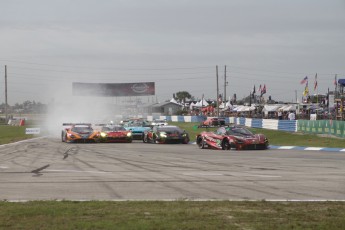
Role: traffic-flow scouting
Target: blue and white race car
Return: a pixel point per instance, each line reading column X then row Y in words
column 137, row 127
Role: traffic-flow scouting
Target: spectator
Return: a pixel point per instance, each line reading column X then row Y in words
column 292, row 116
column 280, row 114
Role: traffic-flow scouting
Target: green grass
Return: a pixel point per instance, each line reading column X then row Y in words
column 172, row 215
column 10, row 134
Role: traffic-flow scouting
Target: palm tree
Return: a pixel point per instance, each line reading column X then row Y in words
column 182, row 95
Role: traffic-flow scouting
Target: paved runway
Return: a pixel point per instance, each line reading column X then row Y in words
column 47, row 169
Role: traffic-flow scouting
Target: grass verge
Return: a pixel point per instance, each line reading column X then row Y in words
column 9, row 134
column 172, row 215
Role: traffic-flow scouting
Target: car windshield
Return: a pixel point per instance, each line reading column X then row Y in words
column 169, row 129
column 113, row 128
column 81, row 129
column 238, row 131
column 137, row 123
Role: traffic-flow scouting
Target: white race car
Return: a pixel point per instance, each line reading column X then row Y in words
column 159, row 122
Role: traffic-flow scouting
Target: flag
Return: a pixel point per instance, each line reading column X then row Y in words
column 253, row 93
column 335, row 80
column 306, row 90
column 260, row 89
column 304, row 80
column 220, row 98
column 315, row 82
column 263, row 91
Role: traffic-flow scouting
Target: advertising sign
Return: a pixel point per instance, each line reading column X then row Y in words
column 32, row 131
column 113, row 89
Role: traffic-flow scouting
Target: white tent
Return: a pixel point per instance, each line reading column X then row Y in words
column 229, row 105
column 239, row 108
column 173, row 100
column 288, row 108
column 271, row 108
column 192, row 105
column 201, row 103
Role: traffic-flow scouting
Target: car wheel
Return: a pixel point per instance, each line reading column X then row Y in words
column 200, row 142
column 154, row 139
column 63, row 137
column 185, row 141
column 144, row 138
column 225, row 145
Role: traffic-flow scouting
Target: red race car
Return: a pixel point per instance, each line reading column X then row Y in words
column 231, row 137
column 212, row 122
column 115, row 133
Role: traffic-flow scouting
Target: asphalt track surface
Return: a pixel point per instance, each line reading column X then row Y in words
column 47, row 169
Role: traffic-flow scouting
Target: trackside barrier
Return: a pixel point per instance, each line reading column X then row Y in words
column 15, row 122
column 284, row 125
column 330, row 127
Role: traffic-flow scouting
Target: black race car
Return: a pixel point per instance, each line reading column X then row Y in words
column 166, row 134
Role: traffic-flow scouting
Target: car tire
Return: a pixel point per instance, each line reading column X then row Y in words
column 186, row 140
column 144, row 138
column 154, row 139
column 63, row 137
column 226, row 145
column 200, row 142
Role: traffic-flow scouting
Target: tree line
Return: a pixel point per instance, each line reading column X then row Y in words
column 25, row 107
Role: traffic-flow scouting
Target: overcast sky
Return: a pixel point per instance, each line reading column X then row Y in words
column 48, row 44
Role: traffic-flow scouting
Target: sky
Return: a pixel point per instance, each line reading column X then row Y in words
column 48, row 45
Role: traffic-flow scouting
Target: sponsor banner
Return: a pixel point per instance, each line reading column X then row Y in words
column 113, row 89
column 32, row 131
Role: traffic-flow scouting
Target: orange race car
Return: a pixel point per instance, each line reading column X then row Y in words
column 79, row 133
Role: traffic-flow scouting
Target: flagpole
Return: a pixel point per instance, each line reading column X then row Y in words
column 317, row 90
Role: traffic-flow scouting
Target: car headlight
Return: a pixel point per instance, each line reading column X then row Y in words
column 103, row 134
column 163, row 134
column 129, row 134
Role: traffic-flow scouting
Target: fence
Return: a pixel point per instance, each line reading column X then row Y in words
column 284, row 125
column 330, row 127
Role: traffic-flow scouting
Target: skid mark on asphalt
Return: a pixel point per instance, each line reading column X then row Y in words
column 37, row 172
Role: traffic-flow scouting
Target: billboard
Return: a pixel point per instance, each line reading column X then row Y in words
column 113, row 89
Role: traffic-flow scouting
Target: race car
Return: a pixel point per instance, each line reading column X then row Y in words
column 115, row 133
column 79, row 133
column 159, row 122
column 166, row 134
column 232, row 137
column 137, row 127
column 212, row 122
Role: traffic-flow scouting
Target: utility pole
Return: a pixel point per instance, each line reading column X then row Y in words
column 6, row 115
column 225, row 84
column 217, row 92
